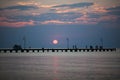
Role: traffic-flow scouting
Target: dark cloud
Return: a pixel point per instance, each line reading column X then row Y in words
column 19, row 7
column 114, row 10
column 117, row 8
column 47, row 16
column 60, row 16
column 85, row 4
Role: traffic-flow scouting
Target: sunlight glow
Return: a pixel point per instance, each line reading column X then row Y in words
column 55, row 41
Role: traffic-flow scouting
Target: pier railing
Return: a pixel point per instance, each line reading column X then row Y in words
column 55, row 50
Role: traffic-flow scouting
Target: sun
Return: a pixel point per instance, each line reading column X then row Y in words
column 55, row 41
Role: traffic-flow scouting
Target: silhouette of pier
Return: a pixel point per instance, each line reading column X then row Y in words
column 55, row 50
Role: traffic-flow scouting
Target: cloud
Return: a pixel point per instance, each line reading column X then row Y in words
column 84, row 13
column 37, row 4
column 71, row 18
column 27, row 3
column 36, row 14
column 64, row 10
column 32, row 8
column 108, row 18
column 3, row 19
column 5, row 22
column 97, row 9
column 24, row 10
column 82, row 8
column 80, row 20
column 94, row 20
column 19, row 7
column 114, row 10
column 85, row 19
column 55, row 22
column 76, row 5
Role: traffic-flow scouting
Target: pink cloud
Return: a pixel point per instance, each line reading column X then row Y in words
column 96, row 8
column 108, row 18
column 3, row 18
column 39, row 9
column 55, row 22
column 38, row 4
column 89, row 20
column 28, row 3
column 85, row 19
column 17, row 24
column 67, row 10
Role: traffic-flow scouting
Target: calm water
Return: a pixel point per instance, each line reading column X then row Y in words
column 60, row 67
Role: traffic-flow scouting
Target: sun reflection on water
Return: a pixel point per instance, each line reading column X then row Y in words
column 55, row 64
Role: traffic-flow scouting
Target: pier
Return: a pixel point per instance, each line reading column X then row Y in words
column 55, row 50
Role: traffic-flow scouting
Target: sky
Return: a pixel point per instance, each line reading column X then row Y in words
column 36, row 23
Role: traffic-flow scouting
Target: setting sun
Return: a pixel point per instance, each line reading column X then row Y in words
column 55, row 41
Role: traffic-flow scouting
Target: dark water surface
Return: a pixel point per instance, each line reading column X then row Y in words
column 56, row 67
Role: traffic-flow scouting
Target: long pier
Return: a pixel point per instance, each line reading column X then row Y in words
column 55, row 50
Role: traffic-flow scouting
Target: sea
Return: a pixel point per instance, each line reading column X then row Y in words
column 60, row 66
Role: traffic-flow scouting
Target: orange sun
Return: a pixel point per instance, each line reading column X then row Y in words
column 55, row 41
